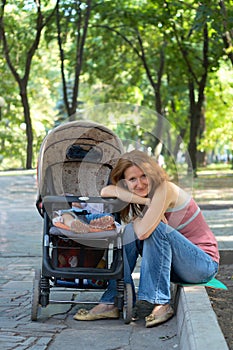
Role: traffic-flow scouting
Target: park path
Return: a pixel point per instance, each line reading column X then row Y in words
column 20, row 254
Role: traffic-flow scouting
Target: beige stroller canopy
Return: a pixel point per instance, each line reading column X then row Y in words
column 76, row 158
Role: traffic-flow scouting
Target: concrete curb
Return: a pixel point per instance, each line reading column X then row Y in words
column 197, row 324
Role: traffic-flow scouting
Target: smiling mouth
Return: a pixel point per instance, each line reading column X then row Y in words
column 144, row 191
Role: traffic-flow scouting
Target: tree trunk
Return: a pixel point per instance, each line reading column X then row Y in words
column 23, row 81
column 192, row 146
column 158, row 129
column 82, row 27
column 196, row 107
column 28, row 122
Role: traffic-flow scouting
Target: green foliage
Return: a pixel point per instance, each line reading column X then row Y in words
column 122, row 57
column 219, row 113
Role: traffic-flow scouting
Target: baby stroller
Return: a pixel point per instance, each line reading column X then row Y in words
column 75, row 162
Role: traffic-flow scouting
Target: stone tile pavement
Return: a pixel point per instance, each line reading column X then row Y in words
column 20, row 254
column 221, row 223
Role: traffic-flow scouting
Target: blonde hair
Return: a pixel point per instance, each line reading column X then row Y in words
column 155, row 174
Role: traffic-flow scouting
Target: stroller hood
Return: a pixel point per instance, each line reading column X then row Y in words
column 76, row 158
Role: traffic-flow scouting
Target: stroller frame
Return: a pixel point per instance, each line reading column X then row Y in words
column 51, row 198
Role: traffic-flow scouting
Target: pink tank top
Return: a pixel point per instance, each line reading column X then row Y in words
column 189, row 221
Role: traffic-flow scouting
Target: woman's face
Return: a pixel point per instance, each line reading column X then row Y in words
column 137, row 181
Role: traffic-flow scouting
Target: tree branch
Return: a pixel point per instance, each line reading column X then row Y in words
column 122, row 36
column 202, row 83
column 81, row 39
column 184, row 54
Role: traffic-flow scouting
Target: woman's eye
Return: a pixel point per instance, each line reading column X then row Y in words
column 132, row 179
column 144, row 177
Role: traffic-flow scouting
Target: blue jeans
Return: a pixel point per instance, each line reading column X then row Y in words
column 166, row 256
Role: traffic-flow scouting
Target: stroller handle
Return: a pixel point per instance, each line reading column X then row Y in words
column 113, row 204
column 80, row 199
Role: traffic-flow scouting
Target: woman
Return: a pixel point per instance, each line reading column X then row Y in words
column 167, row 227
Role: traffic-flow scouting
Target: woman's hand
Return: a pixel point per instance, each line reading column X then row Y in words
column 109, row 191
column 155, row 212
column 147, row 202
column 124, row 195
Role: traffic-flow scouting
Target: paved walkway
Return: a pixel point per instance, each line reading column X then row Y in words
column 20, row 235
column 21, row 228
column 221, row 223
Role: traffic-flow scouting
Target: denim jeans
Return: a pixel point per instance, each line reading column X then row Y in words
column 166, row 256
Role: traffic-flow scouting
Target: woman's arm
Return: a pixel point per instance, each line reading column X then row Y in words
column 124, row 195
column 162, row 199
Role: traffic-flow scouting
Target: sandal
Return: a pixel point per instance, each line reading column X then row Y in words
column 79, row 227
column 154, row 320
column 105, row 223
column 85, row 315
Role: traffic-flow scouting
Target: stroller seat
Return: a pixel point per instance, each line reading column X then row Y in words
column 85, row 237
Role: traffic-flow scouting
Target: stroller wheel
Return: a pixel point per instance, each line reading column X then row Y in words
column 128, row 303
column 35, row 295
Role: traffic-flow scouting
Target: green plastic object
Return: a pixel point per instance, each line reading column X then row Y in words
column 214, row 283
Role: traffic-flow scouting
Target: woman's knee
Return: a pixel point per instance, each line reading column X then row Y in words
column 160, row 232
column 129, row 235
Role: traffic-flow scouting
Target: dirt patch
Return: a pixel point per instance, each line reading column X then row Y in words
column 222, row 303
column 213, row 192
